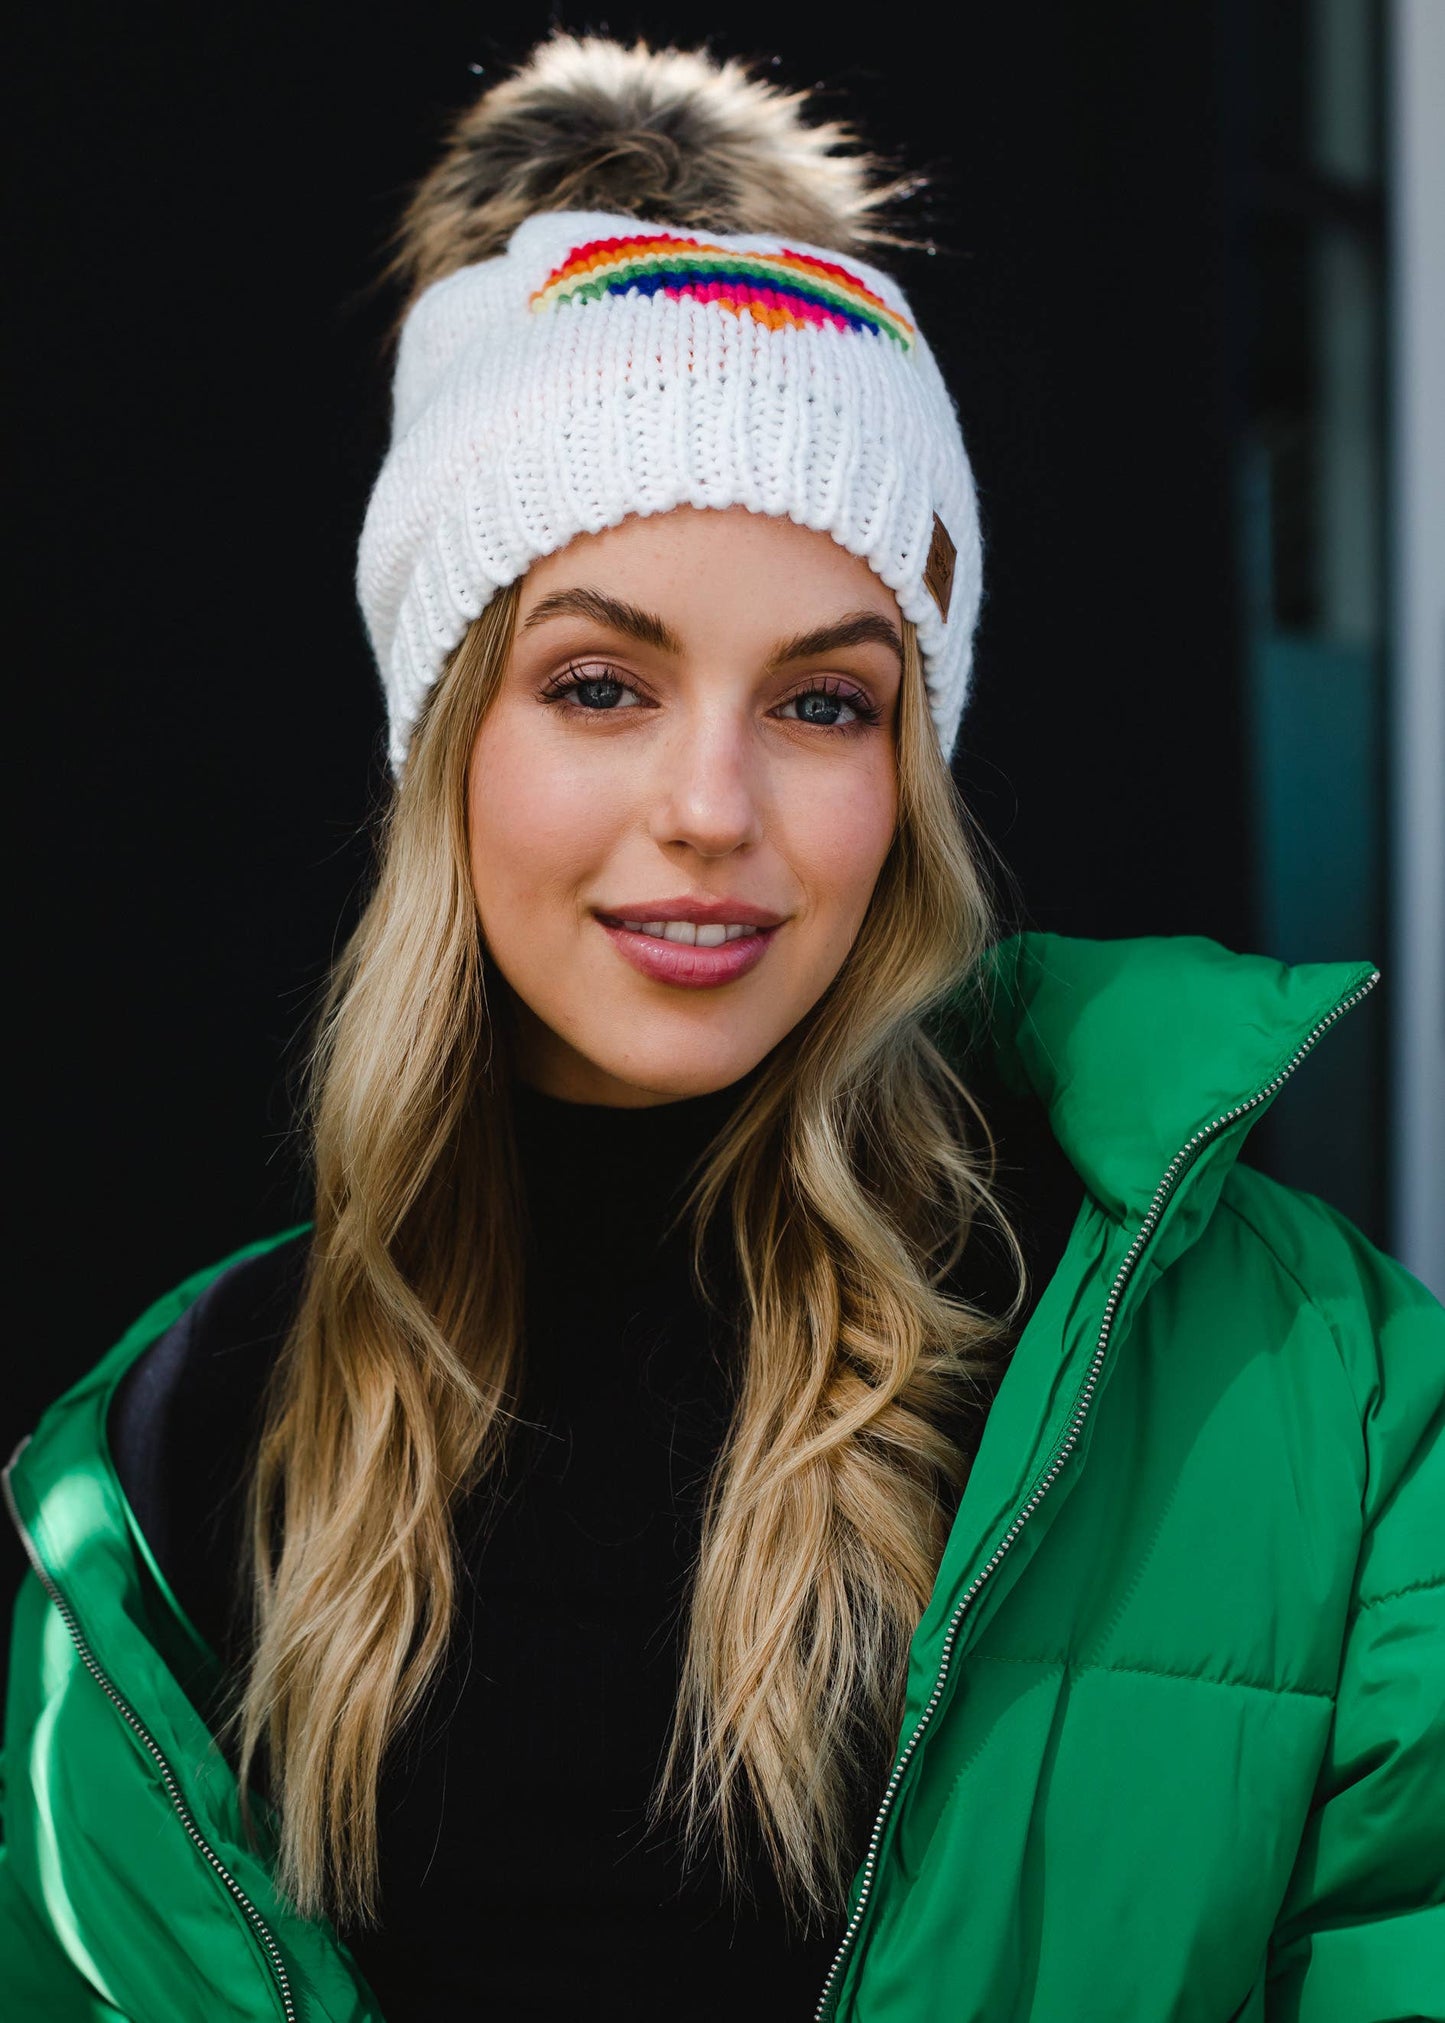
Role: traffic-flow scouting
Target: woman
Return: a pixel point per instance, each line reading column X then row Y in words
column 793, row 1470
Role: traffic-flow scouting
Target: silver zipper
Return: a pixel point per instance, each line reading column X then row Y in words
column 153, row 1749
column 1162, row 1193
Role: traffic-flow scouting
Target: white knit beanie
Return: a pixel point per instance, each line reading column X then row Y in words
column 600, row 367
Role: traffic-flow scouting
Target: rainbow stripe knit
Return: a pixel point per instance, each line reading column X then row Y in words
column 775, row 289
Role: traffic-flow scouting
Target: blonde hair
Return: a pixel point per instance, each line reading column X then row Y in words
column 850, row 1186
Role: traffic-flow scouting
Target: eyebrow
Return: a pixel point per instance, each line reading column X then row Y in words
column 862, row 628
column 859, row 628
column 643, row 626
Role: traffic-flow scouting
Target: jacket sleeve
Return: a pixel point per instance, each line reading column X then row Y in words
column 1361, row 1934
column 40, row 1983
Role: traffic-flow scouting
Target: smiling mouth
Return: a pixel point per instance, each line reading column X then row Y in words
column 689, row 954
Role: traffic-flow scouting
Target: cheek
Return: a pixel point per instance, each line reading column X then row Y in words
column 838, row 827
column 536, row 826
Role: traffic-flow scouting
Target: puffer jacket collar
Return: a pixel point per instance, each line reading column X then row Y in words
column 1135, row 1045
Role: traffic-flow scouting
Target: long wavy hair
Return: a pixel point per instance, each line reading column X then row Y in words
column 848, row 1181
column 844, row 1187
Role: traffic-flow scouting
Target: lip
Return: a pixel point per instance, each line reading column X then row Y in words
column 687, row 966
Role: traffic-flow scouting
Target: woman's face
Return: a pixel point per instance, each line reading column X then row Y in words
column 682, row 796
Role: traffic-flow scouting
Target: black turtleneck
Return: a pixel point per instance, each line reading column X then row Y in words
column 518, row 1876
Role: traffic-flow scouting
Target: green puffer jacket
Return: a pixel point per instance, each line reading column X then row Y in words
column 1174, row 1742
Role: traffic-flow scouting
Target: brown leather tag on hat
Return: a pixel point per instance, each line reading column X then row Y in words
column 938, row 569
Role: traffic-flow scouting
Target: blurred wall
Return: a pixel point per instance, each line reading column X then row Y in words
column 1418, row 807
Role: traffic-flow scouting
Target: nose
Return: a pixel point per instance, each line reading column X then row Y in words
column 706, row 793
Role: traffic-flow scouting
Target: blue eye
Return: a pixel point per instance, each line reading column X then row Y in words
column 598, row 692
column 818, row 708
column 596, row 689
column 830, row 706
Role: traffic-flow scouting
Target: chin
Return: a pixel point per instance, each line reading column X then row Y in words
column 677, row 1087
column 673, row 1075
column 620, row 1048
column 669, row 1062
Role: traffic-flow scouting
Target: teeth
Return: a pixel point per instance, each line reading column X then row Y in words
column 711, row 936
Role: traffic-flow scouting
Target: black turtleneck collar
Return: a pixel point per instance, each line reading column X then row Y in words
column 600, row 1180
column 677, row 1128
column 601, row 1183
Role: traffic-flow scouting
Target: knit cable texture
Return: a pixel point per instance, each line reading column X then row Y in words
column 600, row 368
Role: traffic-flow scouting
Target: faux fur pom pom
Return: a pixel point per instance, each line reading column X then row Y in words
column 660, row 135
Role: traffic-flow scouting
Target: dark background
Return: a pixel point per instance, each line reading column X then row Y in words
column 197, row 746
